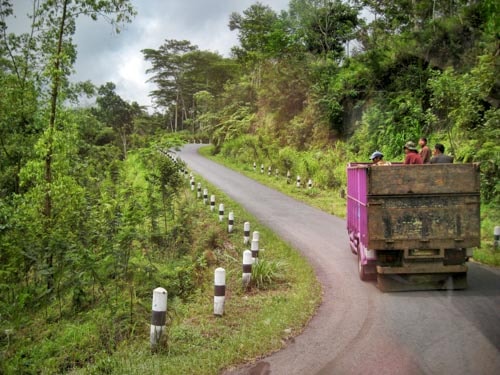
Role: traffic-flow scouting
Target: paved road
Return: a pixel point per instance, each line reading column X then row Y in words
column 358, row 329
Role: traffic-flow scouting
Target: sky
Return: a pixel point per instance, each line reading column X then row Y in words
column 104, row 56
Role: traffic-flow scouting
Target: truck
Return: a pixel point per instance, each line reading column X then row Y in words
column 413, row 227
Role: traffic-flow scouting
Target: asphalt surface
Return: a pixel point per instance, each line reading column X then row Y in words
column 358, row 329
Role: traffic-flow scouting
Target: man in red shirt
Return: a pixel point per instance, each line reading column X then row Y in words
column 412, row 156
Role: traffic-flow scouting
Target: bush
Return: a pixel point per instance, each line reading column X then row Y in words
column 266, row 274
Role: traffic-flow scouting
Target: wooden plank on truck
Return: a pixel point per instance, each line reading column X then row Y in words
column 424, row 179
column 424, row 222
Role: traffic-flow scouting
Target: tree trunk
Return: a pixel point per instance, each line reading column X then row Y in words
column 56, row 83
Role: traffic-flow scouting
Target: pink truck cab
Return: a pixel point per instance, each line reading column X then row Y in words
column 413, row 227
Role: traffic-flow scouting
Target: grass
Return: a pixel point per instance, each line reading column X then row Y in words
column 487, row 254
column 328, row 201
column 114, row 338
column 331, row 202
column 255, row 323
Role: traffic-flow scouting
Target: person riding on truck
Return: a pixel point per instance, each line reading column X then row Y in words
column 377, row 157
column 439, row 156
column 425, row 151
column 412, row 155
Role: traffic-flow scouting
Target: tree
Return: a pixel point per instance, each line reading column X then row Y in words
column 323, row 26
column 180, row 70
column 261, row 32
column 18, row 102
column 115, row 112
column 55, row 22
column 168, row 65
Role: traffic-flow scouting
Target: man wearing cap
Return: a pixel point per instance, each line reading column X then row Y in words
column 412, row 156
column 377, row 157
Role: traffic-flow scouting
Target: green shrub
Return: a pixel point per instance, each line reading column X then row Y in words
column 266, row 274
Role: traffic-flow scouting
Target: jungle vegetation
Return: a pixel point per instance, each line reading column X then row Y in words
column 91, row 210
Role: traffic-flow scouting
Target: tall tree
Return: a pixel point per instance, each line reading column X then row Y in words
column 167, row 67
column 56, row 23
column 261, row 32
column 179, row 71
column 324, row 26
column 115, row 112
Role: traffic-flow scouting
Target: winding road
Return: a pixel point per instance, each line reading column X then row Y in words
column 358, row 329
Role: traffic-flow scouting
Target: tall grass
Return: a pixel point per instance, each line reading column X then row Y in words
column 255, row 322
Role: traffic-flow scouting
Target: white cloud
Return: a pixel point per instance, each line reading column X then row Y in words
column 104, row 56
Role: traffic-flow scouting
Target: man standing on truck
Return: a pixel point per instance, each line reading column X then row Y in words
column 377, row 157
column 412, row 155
column 439, row 156
column 425, row 151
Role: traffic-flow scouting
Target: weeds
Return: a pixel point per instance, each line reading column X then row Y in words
column 267, row 274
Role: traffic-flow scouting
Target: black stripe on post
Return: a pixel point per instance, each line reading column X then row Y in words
column 219, row 290
column 247, row 268
column 231, row 222
column 158, row 318
column 246, row 233
column 255, row 253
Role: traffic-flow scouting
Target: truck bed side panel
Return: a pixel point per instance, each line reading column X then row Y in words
column 357, row 200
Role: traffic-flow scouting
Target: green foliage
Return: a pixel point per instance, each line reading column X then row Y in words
column 462, row 107
column 323, row 27
column 266, row 274
column 261, row 32
column 180, row 71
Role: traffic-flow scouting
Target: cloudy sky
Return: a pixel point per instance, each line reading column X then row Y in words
column 104, row 56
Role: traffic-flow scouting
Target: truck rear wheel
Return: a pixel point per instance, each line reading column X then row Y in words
column 363, row 275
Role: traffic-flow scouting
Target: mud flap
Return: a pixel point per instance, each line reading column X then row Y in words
column 408, row 282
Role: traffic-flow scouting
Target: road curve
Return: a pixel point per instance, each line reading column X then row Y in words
column 358, row 329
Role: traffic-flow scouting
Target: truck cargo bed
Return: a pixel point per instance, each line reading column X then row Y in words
column 417, row 219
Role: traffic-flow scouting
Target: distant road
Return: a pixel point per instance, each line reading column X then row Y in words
column 358, row 329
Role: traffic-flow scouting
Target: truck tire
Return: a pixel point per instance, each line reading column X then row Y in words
column 362, row 269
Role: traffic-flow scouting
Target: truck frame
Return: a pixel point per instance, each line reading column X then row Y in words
column 413, row 227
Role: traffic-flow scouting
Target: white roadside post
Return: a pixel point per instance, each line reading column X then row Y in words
column 254, row 247
column 246, row 232
column 255, row 236
column 158, row 316
column 205, row 196
column 212, row 202
column 198, row 193
column 288, row 176
column 230, row 224
column 269, row 170
column 254, row 166
column 192, row 183
column 221, row 212
column 247, row 268
column 496, row 237
column 262, row 168
column 298, row 181
column 310, row 184
column 219, row 291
